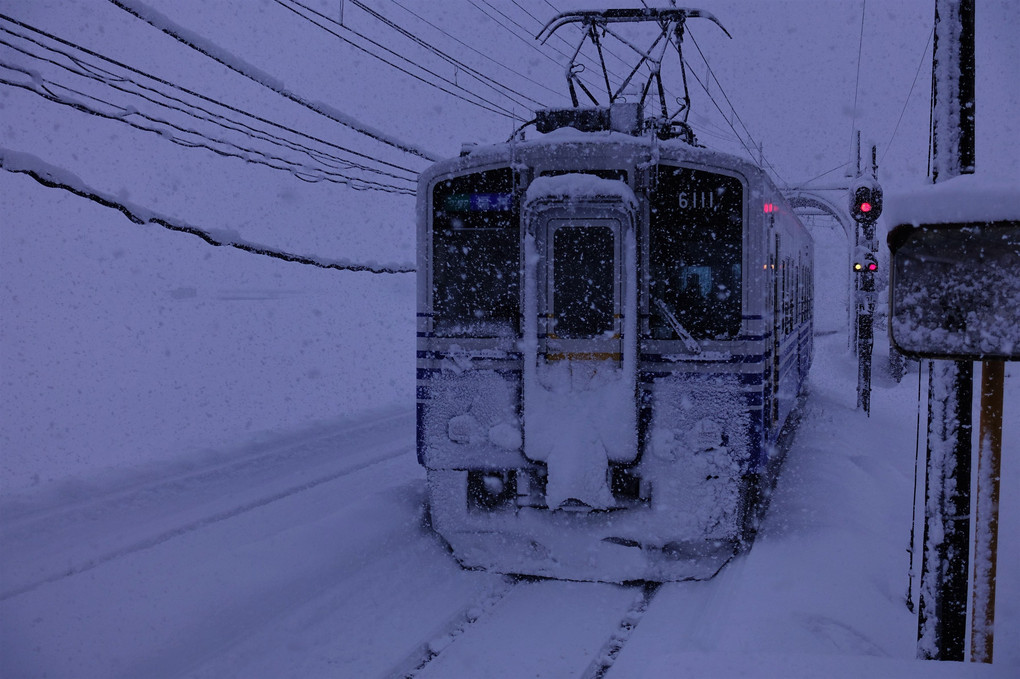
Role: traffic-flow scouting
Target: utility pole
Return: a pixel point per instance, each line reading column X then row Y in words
column 942, row 616
column 865, row 208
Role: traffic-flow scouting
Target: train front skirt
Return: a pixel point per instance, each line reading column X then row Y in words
column 569, row 543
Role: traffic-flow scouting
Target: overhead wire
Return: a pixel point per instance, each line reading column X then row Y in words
column 32, row 167
column 529, row 40
column 480, row 53
column 44, row 87
column 218, row 146
column 857, row 85
column 481, row 102
column 208, row 49
column 487, row 81
column 729, row 103
column 906, row 101
column 104, row 72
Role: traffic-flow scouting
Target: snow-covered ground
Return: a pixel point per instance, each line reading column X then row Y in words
column 206, row 456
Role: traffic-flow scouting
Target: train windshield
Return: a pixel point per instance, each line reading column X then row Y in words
column 584, row 280
column 695, row 249
column 476, row 255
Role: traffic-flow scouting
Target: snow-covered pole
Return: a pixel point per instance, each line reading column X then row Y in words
column 942, row 615
column 986, row 512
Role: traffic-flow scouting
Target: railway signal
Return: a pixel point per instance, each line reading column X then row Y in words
column 865, row 267
column 866, row 203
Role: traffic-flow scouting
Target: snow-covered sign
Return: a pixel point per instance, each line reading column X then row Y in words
column 955, row 289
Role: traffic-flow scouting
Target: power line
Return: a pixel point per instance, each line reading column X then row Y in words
column 23, row 163
column 163, row 24
column 464, row 44
column 217, row 146
column 43, row 87
column 488, row 105
column 94, row 70
column 482, row 78
column 910, row 92
column 529, row 41
column 857, row 85
column 732, row 108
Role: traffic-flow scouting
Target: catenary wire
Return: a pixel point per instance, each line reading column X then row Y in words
column 473, row 49
column 906, row 101
column 491, row 83
column 857, row 85
column 137, row 216
column 214, row 145
column 732, row 108
column 97, row 70
column 117, row 82
column 482, row 102
column 209, row 50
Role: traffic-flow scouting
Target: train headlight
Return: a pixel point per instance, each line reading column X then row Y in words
column 463, row 428
column 506, row 436
column 706, row 434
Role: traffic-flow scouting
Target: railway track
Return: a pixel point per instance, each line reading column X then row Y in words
column 533, row 627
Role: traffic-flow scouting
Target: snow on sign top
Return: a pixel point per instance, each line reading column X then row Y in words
column 577, row 186
column 967, row 198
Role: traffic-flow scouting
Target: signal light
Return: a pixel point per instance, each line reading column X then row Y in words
column 861, row 267
column 866, row 203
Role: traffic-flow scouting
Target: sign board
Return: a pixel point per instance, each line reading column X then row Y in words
column 955, row 290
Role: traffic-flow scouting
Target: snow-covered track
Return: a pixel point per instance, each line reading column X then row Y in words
column 62, row 537
column 535, row 628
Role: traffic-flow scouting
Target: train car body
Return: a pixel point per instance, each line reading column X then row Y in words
column 612, row 332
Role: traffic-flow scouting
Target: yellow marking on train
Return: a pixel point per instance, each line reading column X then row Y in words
column 585, row 356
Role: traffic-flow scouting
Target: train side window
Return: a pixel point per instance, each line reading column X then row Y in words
column 695, row 253
column 476, row 255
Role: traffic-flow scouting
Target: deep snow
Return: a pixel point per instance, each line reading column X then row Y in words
column 130, row 356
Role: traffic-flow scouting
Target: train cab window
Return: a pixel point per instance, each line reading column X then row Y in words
column 584, row 281
column 476, row 255
column 695, row 251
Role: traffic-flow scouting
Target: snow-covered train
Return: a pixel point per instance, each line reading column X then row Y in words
column 613, row 330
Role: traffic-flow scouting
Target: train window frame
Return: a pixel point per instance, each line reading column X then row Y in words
column 739, row 271
column 459, row 324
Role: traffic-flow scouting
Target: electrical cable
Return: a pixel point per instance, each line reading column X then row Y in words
column 464, row 44
column 910, row 92
column 208, row 49
column 217, row 146
column 23, row 164
column 732, row 108
column 751, row 152
column 488, row 105
column 224, row 123
column 483, row 79
column 100, row 72
column 857, row 85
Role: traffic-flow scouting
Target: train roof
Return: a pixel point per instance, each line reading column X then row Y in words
column 601, row 147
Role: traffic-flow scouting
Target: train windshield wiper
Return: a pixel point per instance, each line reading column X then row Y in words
column 667, row 314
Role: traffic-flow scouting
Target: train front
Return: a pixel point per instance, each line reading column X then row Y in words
column 583, row 327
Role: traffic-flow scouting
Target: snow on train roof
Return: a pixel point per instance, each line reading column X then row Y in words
column 579, row 185
column 672, row 149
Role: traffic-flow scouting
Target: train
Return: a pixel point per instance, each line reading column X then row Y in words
column 614, row 327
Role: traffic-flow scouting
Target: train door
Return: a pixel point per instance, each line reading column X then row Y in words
column 580, row 411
